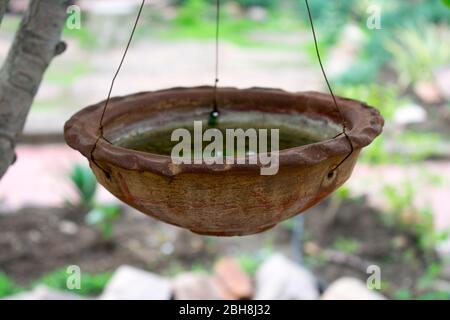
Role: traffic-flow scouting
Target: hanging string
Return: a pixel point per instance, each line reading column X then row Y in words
column 215, row 113
column 343, row 121
column 115, row 76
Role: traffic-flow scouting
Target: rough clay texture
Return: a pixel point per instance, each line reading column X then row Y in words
column 223, row 200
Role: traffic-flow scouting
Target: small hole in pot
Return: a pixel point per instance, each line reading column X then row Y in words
column 107, row 175
column 331, row 174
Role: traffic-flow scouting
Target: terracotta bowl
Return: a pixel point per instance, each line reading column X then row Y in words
column 222, row 200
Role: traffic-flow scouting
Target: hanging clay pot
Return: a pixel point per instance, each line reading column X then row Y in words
column 229, row 199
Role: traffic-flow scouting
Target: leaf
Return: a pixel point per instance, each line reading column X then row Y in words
column 85, row 182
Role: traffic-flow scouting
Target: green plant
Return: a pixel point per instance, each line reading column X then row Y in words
column 196, row 19
column 85, row 183
column 346, row 245
column 7, row 286
column 251, row 262
column 85, row 37
column 406, row 147
column 343, row 193
column 67, row 75
column 424, row 289
column 90, row 284
column 403, row 294
column 405, row 215
column 242, row 3
column 417, row 52
column 384, row 98
column 396, row 15
column 103, row 217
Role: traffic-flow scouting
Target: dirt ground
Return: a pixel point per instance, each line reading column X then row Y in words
column 37, row 241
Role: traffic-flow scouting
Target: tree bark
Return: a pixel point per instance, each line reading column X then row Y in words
column 3, row 7
column 36, row 43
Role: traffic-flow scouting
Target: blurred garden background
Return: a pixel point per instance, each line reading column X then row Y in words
column 394, row 213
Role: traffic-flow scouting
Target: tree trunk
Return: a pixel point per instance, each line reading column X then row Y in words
column 36, row 43
column 3, row 7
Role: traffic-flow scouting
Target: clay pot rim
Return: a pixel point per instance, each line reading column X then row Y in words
column 81, row 133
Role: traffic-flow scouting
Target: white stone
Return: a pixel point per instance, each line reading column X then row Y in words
column 68, row 227
column 410, row 114
column 129, row 283
column 257, row 13
column 443, row 81
column 280, row 279
column 347, row 288
column 44, row 293
column 197, row 286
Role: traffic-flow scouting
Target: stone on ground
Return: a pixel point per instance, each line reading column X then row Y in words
column 233, row 279
column 428, row 92
column 347, row 288
column 129, row 283
column 281, row 279
column 198, row 286
column 44, row 293
column 443, row 81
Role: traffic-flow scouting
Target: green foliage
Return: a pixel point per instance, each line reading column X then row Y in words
column 404, row 215
column 365, row 71
column 103, row 217
column 417, row 52
column 399, row 199
column 90, row 284
column 416, row 146
column 242, row 3
column 251, row 263
column 7, row 286
column 196, row 19
column 66, row 75
column 432, row 272
column 435, row 295
column 346, row 245
column 396, row 19
column 85, row 37
column 425, row 145
column 376, row 153
column 192, row 13
column 258, row 3
column 446, row 2
column 426, row 281
column 85, row 183
column 343, row 193
column 403, row 294
column 198, row 267
column 329, row 19
column 384, row 98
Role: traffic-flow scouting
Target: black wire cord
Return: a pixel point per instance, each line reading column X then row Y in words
column 115, row 77
column 216, row 81
column 215, row 112
column 343, row 121
column 214, row 115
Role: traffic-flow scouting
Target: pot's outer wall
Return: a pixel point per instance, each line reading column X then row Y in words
column 232, row 204
column 224, row 200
